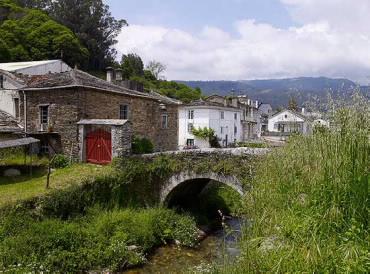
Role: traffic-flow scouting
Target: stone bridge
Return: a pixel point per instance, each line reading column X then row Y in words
column 187, row 184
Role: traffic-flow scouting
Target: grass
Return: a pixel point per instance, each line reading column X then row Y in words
column 309, row 204
column 23, row 188
column 99, row 240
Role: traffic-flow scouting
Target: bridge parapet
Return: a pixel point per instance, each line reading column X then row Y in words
column 240, row 151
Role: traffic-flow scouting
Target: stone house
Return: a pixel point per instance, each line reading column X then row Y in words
column 75, row 113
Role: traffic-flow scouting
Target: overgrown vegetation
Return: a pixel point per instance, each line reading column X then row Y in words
column 99, row 240
column 86, row 224
column 207, row 134
column 142, row 146
column 309, row 204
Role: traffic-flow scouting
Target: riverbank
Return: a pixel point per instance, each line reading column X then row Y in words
column 309, row 203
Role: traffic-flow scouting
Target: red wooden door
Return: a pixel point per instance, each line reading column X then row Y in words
column 99, row 147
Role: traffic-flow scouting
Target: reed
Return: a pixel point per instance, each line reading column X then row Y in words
column 309, row 203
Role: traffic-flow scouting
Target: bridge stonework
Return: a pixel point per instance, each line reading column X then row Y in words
column 172, row 183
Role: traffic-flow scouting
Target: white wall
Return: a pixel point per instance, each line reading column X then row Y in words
column 209, row 117
column 52, row 67
column 285, row 116
column 7, row 96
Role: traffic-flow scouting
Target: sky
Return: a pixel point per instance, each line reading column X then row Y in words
column 249, row 39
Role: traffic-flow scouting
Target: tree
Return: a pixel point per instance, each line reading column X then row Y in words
column 93, row 23
column 293, row 105
column 156, row 68
column 132, row 65
column 39, row 4
column 30, row 34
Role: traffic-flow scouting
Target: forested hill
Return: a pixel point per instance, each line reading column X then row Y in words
column 278, row 91
column 79, row 32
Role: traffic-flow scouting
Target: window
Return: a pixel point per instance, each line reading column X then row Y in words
column 2, row 81
column 190, row 128
column 164, row 121
column 222, row 130
column 222, row 115
column 286, row 116
column 191, row 115
column 236, row 116
column 235, row 129
column 190, row 142
column 123, row 112
column 16, row 107
column 44, row 114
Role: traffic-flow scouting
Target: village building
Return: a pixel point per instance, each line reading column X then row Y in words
column 287, row 122
column 221, row 114
column 75, row 113
column 251, row 119
column 265, row 111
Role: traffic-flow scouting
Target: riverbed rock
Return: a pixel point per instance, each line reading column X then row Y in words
column 12, row 172
column 132, row 248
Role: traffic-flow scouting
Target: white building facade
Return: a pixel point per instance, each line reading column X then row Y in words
column 224, row 120
column 288, row 121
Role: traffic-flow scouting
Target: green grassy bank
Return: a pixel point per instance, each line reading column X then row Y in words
column 96, row 218
column 309, row 204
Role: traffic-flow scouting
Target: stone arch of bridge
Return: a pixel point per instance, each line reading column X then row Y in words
column 191, row 183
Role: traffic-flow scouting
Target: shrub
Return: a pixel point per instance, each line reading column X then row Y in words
column 97, row 241
column 142, row 146
column 60, row 161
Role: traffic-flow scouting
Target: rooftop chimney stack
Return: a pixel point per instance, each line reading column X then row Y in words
column 109, row 74
column 303, row 111
column 119, row 74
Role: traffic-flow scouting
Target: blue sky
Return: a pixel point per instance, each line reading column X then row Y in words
column 191, row 15
column 248, row 39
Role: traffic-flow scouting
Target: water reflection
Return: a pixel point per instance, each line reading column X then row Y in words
column 219, row 246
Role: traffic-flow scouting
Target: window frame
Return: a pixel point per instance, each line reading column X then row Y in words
column 222, row 115
column 17, row 111
column 41, row 114
column 124, row 112
column 191, row 114
column 190, row 128
column 164, row 121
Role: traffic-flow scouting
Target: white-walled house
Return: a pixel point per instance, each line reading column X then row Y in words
column 288, row 121
column 9, row 98
column 222, row 117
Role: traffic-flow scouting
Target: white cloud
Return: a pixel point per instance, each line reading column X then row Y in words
column 333, row 40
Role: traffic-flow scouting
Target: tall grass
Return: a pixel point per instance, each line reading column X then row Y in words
column 309, row 206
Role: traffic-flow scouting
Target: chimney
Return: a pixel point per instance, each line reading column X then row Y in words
column 109, row 74
column 303, row 111
column 257, row 104
column 119, row 74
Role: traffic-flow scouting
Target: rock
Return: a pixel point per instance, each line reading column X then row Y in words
column 12, row 172
column 132, row 248
column 201, row 235
column 177, row 242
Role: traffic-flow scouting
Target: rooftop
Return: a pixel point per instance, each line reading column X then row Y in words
column 13, row 67
column 8, row 123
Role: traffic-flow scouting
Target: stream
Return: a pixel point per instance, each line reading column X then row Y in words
column 219, row 246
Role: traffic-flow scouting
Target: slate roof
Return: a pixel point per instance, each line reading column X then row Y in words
column 8, row 124
column 18, row 142
column 78, row 78
column 202, row 102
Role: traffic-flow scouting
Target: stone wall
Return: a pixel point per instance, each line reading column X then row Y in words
column 121, row 140
column 68, row 106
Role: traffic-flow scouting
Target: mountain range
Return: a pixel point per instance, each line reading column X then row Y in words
column 277, row 92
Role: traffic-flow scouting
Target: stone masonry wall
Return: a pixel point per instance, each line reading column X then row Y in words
column 68, row 106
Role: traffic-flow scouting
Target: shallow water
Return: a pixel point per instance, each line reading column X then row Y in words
column 217, row 247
